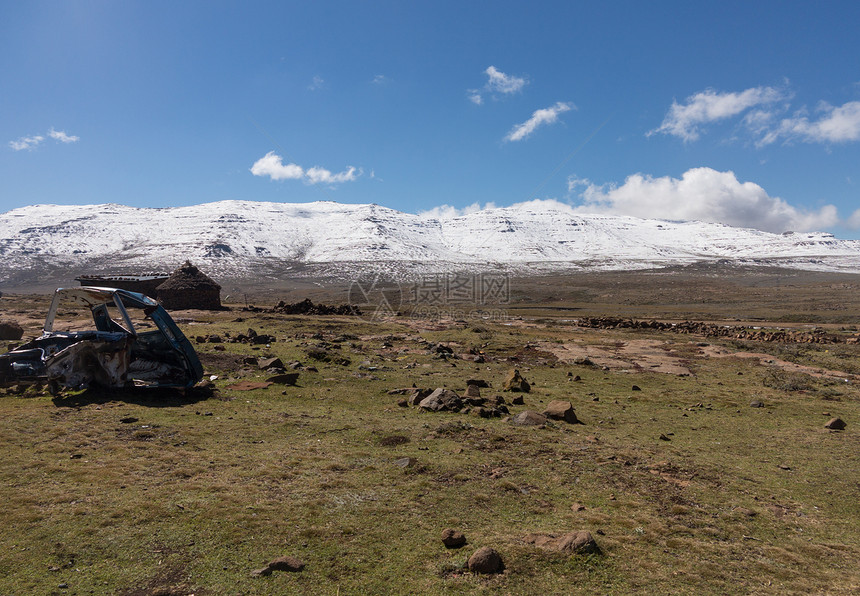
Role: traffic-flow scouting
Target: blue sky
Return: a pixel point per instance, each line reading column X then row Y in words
column 747, row 113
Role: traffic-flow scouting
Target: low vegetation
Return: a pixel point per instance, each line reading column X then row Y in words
column 722, row 480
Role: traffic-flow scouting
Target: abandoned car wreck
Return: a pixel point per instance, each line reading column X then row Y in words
column 116, row 354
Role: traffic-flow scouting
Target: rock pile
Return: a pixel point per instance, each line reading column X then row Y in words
column 251, row 337
column 446, row 400
column 816, row 336
column 307, row 307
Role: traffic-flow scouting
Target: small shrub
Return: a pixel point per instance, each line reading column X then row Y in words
column 788, row 381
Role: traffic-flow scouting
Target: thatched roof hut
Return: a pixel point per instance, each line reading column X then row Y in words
column 188, row 287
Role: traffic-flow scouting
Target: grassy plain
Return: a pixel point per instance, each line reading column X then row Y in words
column 142, row 494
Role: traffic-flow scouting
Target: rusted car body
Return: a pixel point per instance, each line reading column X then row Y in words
column 113, row 355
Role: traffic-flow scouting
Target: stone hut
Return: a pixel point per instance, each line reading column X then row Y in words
column 188, row 287
column 146, row 284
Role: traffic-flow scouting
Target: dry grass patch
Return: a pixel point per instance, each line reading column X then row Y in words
column 198, row 490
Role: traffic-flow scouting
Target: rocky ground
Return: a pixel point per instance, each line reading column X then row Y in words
column 331, row 453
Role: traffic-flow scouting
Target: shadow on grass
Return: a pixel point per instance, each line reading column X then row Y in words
column 152, row 397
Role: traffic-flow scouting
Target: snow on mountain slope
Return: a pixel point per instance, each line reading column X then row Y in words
column 244, row 238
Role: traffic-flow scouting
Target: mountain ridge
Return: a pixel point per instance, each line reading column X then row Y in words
column 247, row 238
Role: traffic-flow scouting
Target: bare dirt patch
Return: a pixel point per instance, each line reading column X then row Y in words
column 713, row 351
column 635, row 355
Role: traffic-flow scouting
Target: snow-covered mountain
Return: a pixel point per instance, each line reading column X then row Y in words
column 253, row 239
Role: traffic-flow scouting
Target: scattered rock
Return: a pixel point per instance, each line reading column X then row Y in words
column 248, row 385
column 573, row 543
column 514, row 381
column 284, row 379
column 664, row 438
column 417, row 395
column 11, row 331
column 756, row 404
column 577, row 507
column 581, row 542
column 481, row 383
column 561, row 410
column 267, row 363
column 405, row 462
column 401, row 391
column 285, row 563
column 441, row 399
column 324, row 355
column 636, row 388
column 452, row 538
column 481, row 412
column 403, row 402
column 529, row 418
column 835, row 424
column 472, row 391
column 486, row 560
column 518, row 400
column 498, row 401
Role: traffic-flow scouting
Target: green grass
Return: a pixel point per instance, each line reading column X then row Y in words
column 202, row 489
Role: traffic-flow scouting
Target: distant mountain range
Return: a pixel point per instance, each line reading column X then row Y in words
column 245, row 239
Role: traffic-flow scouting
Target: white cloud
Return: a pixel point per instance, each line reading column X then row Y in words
column 853, row 222
column 380, row 79
column 272, row 165
column 574, row 182
column 701, row 194
column 704, row 194
column 502, row 83
column 62, row 136
column 684, row 120
column 449, row 212
column 497, row 82
column 539, row 117
column 31, row 142
column 317, row 175
column 544, row 205
column 836, row 125
column 28, row 143
column 317, row 83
